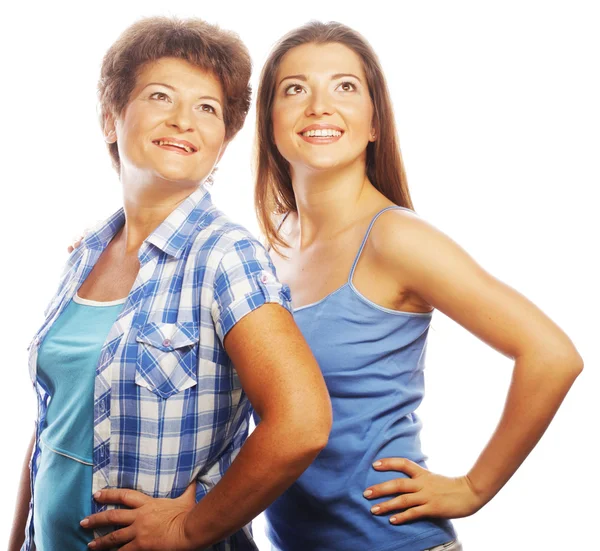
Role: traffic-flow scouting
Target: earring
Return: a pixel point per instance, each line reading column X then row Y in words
column 210, row 179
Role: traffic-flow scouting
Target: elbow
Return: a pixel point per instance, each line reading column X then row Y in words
column 558, row 357
column 568, row 363
column 577, row 366
column 572, row 361
column 313, row 435
column 309, row 435
column 321, row 436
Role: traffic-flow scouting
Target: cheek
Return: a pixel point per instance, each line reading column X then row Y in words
column 132, row 127
column 283, row 127
column 213, row 137
column 361, row 117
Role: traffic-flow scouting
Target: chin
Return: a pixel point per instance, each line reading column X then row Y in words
column 178, row 177
column 177, row 172
column 324, row 163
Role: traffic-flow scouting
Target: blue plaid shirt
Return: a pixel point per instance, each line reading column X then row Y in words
column 168, row 405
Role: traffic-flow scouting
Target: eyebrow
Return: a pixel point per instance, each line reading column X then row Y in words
column 174, row 90
column 333, row 77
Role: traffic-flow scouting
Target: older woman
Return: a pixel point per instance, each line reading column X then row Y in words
column 134, row 363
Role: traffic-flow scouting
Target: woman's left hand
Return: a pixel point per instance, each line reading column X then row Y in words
column 424, row 494
column 149, row 523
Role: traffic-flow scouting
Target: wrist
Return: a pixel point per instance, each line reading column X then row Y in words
column 193, row 536
column 480, row 495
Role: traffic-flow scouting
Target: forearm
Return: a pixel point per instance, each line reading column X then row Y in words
column 270, row 460
column 17, row 534
column 537, row 389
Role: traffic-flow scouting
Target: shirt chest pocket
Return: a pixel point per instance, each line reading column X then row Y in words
column 167, row 357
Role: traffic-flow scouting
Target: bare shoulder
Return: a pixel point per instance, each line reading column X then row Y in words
column 401, row 235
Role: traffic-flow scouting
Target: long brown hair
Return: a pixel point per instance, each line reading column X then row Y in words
column 273, row 194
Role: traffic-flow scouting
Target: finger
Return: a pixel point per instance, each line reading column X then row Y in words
column 114, row 517
column 410, row 514
column 127, row 497
column 399, row 464
column 395, row 486
column 405, row 501
column 114, row 539
column 70, row 249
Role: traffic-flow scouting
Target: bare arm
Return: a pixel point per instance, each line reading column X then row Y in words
column 546, row 362
column 17, row 534
column 284, row 384
column 286, row 388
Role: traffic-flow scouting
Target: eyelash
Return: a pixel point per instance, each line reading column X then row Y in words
column 348, row 82
column 164, row 96
column 212, row 109
column 288, row 88
column 161, row 96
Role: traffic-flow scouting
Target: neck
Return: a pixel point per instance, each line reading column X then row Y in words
column 329, row 201
column 147, row 206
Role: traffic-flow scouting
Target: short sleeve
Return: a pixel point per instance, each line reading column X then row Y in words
column 245, row 280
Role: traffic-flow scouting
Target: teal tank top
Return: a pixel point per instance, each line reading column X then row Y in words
column 372, row 359
column 67, row 362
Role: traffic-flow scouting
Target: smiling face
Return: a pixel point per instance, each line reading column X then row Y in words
column 322, row 112
column 172, row 127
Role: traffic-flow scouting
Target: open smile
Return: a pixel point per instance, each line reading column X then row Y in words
column 182, row 147
column 321, row 134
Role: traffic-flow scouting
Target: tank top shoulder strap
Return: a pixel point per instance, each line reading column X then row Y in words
column 364, row 241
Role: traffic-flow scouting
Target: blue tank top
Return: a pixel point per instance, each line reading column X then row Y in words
column 67, row 367
column 372, row 359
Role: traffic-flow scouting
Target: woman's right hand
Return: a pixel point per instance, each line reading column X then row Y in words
column 76, row 242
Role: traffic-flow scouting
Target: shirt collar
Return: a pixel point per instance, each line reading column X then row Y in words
column 171, row 236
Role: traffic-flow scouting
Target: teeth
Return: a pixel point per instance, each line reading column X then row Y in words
column 322, row 133
column 181, row 146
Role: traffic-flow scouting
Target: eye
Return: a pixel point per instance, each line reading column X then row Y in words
column 347, row 86
column 207, row 108
column 161, row 96
column 293, row 90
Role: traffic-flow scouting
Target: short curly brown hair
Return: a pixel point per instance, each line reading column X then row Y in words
column 197, row 42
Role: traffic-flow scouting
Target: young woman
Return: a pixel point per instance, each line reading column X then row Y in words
column 134, row 364
column 366, row 274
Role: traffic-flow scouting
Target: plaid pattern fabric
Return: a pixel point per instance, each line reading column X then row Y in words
column 168, row 405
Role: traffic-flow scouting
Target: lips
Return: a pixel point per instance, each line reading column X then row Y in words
column 321, row 130
column 321, row 134
column 173, row 144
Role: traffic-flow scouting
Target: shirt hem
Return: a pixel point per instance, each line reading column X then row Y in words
column 431, row 538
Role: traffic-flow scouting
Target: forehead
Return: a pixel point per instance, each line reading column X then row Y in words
column 181, row 75
column 331, row 58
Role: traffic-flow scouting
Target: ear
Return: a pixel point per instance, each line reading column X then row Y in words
column 373, row 135
column 110, row 130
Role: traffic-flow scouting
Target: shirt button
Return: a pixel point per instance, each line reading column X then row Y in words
column 264, row 278
column 167, row 342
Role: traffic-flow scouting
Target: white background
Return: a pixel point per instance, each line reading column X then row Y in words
column 498, row 112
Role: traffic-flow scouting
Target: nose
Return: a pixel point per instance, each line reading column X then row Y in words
column 180, row 119
column 319, row 104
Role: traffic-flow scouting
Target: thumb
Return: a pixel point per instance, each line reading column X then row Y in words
column 190, row 493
